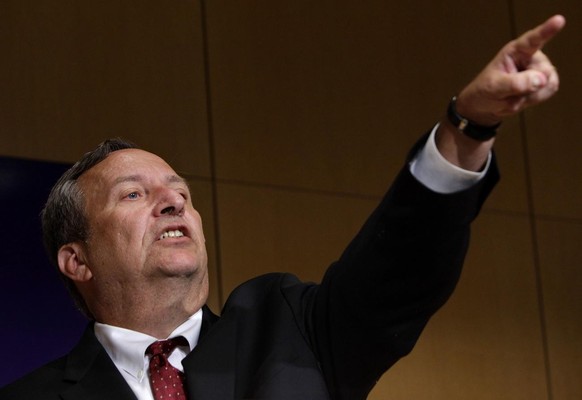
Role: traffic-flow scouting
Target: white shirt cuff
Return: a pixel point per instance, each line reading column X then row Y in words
column 431, row 169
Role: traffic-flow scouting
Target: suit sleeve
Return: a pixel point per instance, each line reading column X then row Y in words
column 403, row 265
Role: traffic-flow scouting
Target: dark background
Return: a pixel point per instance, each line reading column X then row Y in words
column 43, row 323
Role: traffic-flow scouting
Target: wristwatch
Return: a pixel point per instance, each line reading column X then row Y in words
column 469, row 128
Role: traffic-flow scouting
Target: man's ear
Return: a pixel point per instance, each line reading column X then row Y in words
column 72, row 262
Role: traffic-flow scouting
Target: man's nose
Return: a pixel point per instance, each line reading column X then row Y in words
column 170, row 202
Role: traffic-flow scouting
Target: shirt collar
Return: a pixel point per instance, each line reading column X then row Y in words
column 126, row 347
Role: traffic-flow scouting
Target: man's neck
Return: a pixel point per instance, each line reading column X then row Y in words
column 156, row 312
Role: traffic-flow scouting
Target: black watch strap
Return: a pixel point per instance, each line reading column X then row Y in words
column 469, row 128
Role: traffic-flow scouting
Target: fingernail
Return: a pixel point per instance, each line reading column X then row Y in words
column 536, row 81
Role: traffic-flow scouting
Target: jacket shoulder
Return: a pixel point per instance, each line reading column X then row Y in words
column 43, row 383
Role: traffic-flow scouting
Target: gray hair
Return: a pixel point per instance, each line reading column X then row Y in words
column 63, row 217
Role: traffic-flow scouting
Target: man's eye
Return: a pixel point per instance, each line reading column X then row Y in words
column 133, row 196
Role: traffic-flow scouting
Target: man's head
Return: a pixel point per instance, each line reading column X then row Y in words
column 120, row 225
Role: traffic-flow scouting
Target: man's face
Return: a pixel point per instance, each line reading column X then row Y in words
column 143, row 227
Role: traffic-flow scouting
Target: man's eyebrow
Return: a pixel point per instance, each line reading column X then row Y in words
column 127, row 178
column 176, row 179
column 141, row 178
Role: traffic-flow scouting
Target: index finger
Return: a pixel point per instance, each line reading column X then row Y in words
column 534, row 39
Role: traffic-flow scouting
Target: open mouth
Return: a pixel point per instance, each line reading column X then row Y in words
column 171, row 234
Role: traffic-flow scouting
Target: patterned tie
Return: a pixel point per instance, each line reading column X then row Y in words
column 167, row 382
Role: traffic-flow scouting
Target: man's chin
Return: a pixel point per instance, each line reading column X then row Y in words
column 176, row 266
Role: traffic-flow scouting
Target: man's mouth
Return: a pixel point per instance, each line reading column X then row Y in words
column 171, row 234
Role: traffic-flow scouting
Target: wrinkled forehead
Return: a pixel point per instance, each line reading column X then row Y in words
column 125, row 163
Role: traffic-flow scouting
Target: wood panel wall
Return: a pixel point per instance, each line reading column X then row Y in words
column 291, row 118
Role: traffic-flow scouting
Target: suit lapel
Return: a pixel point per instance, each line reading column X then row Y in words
column 92, row 374
column 210, row 367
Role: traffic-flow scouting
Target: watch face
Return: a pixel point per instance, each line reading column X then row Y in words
column 463, row 123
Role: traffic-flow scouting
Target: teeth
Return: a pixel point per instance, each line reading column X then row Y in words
column 171, row 234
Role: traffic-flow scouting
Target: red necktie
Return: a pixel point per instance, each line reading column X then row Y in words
column 167, row 382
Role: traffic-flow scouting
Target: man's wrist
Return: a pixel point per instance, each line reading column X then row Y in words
column 481, row 133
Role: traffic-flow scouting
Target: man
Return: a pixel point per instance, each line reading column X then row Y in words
column 121, row 227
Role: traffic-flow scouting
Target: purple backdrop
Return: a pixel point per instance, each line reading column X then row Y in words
column 37, row 317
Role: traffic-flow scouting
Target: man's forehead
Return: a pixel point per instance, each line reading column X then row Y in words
column 132, row 154
column 131, row 165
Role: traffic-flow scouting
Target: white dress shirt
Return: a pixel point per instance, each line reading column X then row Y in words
column 127, row 348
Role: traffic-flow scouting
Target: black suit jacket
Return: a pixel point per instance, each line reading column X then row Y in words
column 278, row 338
